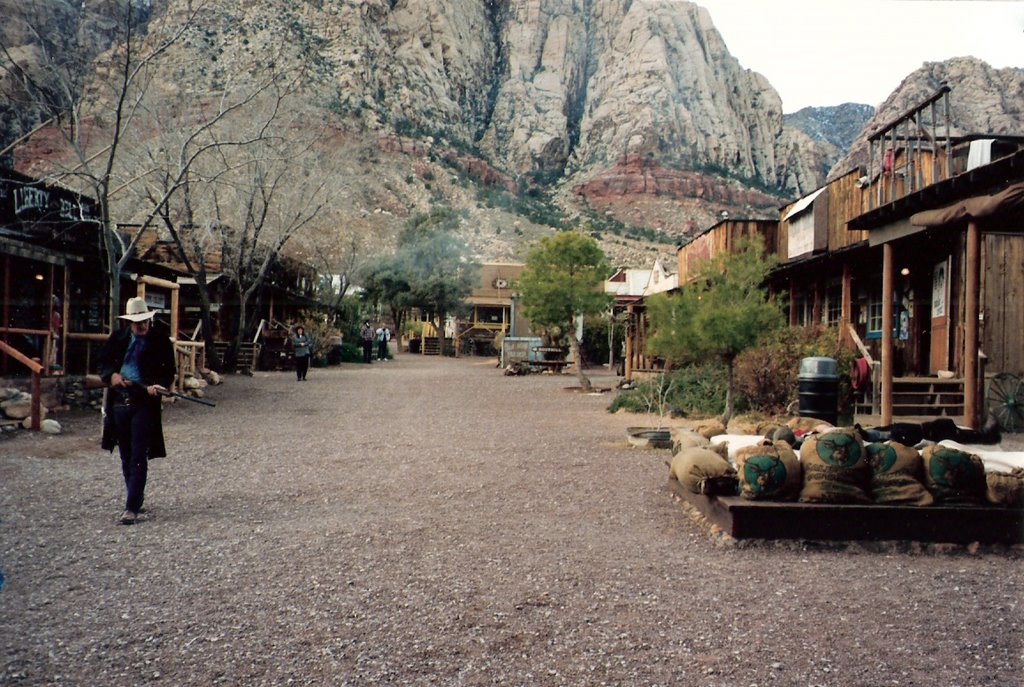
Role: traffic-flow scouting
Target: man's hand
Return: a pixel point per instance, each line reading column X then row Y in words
column 156, row 390
column 117, row 380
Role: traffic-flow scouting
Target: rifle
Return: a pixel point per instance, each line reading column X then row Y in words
column 167, row 392
column 93, row 382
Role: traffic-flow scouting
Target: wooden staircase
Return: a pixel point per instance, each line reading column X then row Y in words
column 922, row 396
column 431, row 345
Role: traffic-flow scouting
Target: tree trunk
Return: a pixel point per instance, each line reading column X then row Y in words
column 396, row 320
column 730, row 392
column 577, row 355
column 213, row 360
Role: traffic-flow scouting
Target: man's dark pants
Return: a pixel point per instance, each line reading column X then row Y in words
column 135, row 425
column 367, row 351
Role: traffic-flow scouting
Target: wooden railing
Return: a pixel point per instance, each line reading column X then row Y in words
column 36, row 369
column 190, row 357
column 876, row 376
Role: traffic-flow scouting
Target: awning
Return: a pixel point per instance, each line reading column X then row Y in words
column 972, row 208
column 802, row 204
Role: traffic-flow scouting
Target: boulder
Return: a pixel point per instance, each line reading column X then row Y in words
column 18, row 409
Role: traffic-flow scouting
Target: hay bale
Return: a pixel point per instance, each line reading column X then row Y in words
column 896, row 474
column 768, row 471
column 702, row 471
column 835, row 468
column 954, row 476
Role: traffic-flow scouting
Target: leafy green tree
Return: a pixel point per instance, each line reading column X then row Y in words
column 722, row 313
column 431, row 270
column 441, row 275
column 385, row 282
column 563, row 279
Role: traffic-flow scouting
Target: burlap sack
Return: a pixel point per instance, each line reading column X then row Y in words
column 683, row 437
column 806, row 425
column 703, row 471
column 836, row 468
column 1005, row 488
column 954, row 476
column 710, row 428
column 896, row 474
column 769, row 471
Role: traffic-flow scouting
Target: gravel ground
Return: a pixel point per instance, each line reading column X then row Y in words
column 431, row 522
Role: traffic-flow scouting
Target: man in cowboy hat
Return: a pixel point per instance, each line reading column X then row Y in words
column 137, row 364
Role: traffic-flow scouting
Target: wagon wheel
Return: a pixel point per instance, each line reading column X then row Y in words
column 1006, row 401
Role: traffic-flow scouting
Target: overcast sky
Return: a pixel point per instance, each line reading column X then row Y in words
column 828, row 52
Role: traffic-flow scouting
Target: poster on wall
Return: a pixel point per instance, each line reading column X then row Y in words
column 939, row 288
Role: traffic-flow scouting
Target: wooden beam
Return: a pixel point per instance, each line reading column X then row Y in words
column 887, row 310
column 630, row 333
column 971, row 307
column 846, row 318
column 36, row 370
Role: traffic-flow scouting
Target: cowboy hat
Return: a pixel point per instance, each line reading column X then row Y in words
column 136, row 310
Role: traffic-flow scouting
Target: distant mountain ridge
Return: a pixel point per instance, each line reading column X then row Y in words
column 629, row 117
column 836, row 125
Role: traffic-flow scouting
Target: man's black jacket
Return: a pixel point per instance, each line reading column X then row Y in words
column 156, row 366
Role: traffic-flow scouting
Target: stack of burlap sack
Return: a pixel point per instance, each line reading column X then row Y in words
column 834, row 465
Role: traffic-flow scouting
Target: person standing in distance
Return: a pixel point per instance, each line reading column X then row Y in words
column 137, row 364
column 366, row 333
column 382, row 335
column 300, row 343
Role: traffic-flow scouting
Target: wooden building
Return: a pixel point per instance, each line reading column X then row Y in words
column 289, row 289
column 887, row 254
column 53, row 290
column 494, row 311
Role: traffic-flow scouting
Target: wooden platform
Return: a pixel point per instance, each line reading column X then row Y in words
column 745, row 519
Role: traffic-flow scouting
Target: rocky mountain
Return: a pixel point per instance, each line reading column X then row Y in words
column 834, row 128
column 627, row 116
column 983, row 100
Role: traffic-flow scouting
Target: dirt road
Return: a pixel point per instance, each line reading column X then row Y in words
column 431, row 522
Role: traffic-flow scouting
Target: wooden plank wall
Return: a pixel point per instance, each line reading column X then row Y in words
column 724, row 237
column 1002, row 278
column 845, row 201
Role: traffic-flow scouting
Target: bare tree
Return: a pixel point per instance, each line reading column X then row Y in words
column 178, row 172
column 92, row 104
column 260, row 205
column 113, row 126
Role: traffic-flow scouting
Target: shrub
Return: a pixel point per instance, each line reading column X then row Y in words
column 321, row 334
column 766, row 376
column 693, row 389
column 345, row 353
column 700, row 388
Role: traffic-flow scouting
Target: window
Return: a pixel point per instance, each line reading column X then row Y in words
column 874, row 324
column 804, row 310
column 833, row 305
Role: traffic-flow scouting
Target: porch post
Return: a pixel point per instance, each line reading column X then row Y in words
column 846, row 318
column 630, row 333
column 971, row 307
column 174, row 312
column 816, row 309
column 887, row 334
column 792, row 302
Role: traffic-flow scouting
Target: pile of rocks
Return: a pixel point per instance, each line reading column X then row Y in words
column 16, row 406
